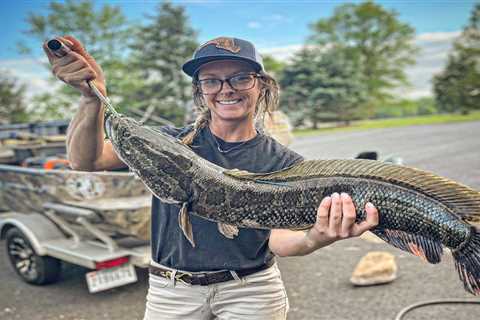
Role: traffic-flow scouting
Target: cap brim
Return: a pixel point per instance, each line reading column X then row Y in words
column 191, row 67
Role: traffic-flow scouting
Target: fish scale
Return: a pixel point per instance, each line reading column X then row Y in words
column 418, row 211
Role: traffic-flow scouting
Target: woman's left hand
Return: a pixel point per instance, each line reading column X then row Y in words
column 336, row 220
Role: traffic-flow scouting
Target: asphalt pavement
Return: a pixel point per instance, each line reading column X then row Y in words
column 318, row 285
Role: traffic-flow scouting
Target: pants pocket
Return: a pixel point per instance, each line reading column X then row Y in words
column 158, row 282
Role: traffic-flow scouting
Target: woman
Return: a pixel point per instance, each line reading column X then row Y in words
column 216, row 271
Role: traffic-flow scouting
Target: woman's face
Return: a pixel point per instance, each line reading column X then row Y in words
column 229, row 104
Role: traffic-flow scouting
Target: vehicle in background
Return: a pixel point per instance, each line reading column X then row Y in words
column 51, row 214
column 98, row 220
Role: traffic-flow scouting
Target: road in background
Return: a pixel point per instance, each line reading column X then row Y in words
column 318, row 285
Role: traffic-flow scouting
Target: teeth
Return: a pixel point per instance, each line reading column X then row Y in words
column 229, row 101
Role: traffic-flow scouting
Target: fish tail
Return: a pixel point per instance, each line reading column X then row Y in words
column 467, row 263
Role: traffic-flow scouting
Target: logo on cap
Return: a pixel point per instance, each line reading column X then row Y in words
column 223, row 43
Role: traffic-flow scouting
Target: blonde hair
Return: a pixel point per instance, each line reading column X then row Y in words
column 267, row 103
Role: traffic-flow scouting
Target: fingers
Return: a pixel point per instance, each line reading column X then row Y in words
column 67, row 59
column 67, row 65
column 348, row 216
column 336, row 218
column 73, row 68
column 76, row 52
column 52, row 56
column 78, row 47
column 82, row 75
column 370, row 222
column 335, row 222
column 323, row 214
column 76, row 67
column 74, row 44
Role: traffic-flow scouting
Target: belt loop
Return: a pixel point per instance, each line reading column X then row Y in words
column 237, row 277
column 173, row 278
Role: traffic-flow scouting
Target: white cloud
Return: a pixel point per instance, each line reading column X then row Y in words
column 284, row 53
column 277, row 18
column 430, row 60
column 434, row 50
column 254, row 25
column 30, row 72
column 270, row 22
column 437, row 36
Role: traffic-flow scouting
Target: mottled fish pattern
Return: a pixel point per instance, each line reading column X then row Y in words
column 419, row 211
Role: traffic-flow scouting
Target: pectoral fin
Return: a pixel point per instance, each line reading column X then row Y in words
column 227, row 230
column 185, row 224
column 427, row 249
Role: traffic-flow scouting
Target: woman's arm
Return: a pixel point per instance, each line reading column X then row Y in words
column 86, row 148
column 335, row 221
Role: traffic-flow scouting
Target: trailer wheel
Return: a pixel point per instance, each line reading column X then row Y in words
column 31, row 267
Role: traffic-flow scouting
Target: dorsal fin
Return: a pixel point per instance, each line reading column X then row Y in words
column 460, row 198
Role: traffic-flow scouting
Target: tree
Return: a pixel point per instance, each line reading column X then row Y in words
column 321, row 86
column 159, row 51
column 104, row 32
column 272, row 65
column 49, row 106
column 379, row 45
column 295, row 83
column 13, row 108
column 457, row 87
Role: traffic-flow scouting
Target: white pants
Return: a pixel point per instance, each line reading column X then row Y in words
column 257, row 296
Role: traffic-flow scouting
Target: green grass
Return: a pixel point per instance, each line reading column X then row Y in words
column 393, row 122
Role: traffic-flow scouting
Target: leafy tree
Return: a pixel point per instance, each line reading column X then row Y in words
column 51, row 106
column 295, row 83
column 407, row 108
column 379, row 45
column 272, row 65
column 457, row 88
column 104, row 32
column 321, row 86
column 159, row 50
column 13, row 108
column 426, row 105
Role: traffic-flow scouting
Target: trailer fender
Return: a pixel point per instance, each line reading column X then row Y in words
column 35, row 226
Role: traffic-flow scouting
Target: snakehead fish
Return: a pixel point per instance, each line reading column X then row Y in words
column 419, row 211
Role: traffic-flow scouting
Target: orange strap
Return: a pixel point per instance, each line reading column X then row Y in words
column 50, row 164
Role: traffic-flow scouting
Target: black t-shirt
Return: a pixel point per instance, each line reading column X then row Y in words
column 213, row 251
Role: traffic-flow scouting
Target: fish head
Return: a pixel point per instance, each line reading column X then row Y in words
column 142, row 146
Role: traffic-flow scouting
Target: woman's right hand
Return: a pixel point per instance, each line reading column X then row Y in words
column 76, row 67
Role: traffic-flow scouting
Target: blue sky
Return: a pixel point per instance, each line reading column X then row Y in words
column 276, row 27
column 266, row 23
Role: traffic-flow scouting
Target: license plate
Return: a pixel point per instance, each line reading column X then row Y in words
column 104, row 279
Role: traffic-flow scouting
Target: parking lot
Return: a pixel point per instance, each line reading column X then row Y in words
column 318, row 285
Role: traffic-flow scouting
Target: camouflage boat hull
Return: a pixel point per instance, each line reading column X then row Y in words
column 119, row 199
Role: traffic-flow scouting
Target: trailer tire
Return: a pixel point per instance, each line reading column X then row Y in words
column 31, row 267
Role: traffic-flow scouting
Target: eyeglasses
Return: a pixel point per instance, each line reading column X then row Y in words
column 239, row 82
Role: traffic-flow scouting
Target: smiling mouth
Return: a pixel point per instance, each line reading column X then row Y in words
column 229, row 102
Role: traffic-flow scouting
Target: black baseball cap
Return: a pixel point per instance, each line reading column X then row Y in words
column 223, row 48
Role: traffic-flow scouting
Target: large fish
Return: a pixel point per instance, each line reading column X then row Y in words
column 419, row 211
